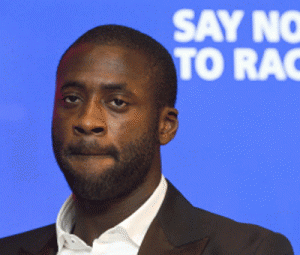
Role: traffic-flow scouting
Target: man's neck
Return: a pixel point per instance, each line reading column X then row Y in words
column 94, row 219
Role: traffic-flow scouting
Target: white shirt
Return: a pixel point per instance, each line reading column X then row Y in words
column 125, row 238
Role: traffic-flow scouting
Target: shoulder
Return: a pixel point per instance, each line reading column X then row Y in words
column 30, row 240
column 226, row 236
column 240, row 238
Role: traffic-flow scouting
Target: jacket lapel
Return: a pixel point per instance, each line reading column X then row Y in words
column 175, row 229
column 47, row 244
column 49, row 249
column 23, row 252
column 157, row 243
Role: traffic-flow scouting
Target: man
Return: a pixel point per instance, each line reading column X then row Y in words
column 114, row 108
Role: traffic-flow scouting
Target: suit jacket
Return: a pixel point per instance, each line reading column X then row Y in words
column 178, row 228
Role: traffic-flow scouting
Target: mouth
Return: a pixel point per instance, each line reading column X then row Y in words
column 90, row 155
column 90, row 150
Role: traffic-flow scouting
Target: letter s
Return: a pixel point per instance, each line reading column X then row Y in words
column 182, row 20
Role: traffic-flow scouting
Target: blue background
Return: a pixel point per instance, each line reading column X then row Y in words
column 237, row 149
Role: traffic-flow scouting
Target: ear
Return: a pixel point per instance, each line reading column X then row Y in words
column 168, row 125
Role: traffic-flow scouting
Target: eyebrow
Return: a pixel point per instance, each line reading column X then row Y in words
column 121, row 86
column 116, row 87
column 102, row 87
column 72, row 84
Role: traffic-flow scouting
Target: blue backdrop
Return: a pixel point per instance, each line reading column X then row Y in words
column 237, row 149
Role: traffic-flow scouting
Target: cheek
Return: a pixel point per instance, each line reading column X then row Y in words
column 134, row 125
column 60, row 128
column 62, row 119
column 130, row 129
column 137, row 120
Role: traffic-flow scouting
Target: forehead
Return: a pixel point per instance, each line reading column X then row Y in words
column 105, row 64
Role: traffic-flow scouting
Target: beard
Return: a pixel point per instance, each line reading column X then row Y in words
column 132, row 165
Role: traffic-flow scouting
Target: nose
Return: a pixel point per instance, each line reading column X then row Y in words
column 91, row 121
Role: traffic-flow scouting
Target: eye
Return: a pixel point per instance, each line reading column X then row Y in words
column 118, row 103
column 71, row 99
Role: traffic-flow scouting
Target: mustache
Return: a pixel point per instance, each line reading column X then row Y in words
column 91, row 148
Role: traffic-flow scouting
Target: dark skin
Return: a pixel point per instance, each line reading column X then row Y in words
column 105, row 94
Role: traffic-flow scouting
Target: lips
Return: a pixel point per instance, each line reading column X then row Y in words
column 85, row 154
column 91, row 149
column 90, row 154
column 83, row 151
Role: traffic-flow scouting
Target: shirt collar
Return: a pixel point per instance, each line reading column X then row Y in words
column 135, row 226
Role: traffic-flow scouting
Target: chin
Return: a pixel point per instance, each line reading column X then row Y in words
column 92, row 166
column 105, row 183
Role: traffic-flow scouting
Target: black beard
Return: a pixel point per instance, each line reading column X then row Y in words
column 132, row 165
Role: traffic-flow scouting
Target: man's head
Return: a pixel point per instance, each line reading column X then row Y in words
column 163, row 72
column 114, row 107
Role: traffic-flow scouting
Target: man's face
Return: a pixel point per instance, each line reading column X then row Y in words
column 104, row 128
